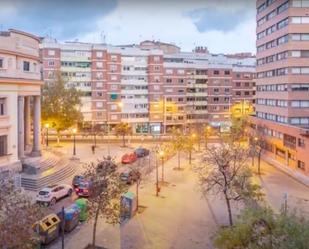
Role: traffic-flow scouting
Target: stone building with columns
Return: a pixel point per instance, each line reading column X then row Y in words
column 20, row 102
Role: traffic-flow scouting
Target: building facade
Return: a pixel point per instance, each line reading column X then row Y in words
column 153, row 86
column 282, row 99
column 20, row 89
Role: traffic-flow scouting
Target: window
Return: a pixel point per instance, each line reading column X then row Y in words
column 216, row 99
column 283, row 7
column 156, row 87
column 113, row 68
column 51, row 52
column 301, row 142
column 113, row 107
column 114, row 77
column 2, row 106
column 238, row 93
column 3, row 145
column 99, row 64
column 99, row 84
column 300, row 3
column 282, row 23
column 99, row 54
column 169, row 71
column 99, row 104
column 157, row 68
column 301, row 165
column 168, row 80
column 114, row 87
column 216, row 72
column 238, row 84
column 26, row 66
column 226, row 72
column 114, row 57
column 181, row 81
column 156, row 58
column 1, row 63
column 180, row 71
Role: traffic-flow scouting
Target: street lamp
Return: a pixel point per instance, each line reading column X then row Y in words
column 161, row 153
column 46, row 126
column 74, row 141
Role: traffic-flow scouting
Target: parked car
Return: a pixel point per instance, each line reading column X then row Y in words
column 129, row 158
column 84, row 188
column 129, row 176
column 141, row 152
column 49, row 195
column 77, row 180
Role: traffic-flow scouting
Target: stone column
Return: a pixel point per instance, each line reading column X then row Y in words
column 36, row 150
column 27, row 122
column 20, row 126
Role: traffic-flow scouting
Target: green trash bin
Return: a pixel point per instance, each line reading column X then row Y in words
column 82, row 204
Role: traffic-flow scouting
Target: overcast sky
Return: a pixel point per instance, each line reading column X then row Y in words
column 224, row 26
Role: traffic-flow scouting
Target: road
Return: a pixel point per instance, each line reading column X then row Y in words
column 181, row 217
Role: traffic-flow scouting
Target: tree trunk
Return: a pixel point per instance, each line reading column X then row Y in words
column 190, row 157
column 229, row 210
column 259, row 163
column 95, row 227
column 137, row 186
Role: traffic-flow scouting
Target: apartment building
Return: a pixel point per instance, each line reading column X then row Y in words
column 282, row 98
column 153, row 86
column 20, row 89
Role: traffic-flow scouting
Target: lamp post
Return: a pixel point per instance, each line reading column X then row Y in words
column 161, row 153
column 46, row 126
column 74, row 141
column 107, row 136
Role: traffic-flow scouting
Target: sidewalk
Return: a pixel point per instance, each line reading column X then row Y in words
column 277, row 183
column 179, row 218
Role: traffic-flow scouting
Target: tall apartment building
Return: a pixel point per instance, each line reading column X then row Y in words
column 153, row 86
column 282, row 99
column 20, row 89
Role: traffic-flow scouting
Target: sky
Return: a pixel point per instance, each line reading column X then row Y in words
column 224, row 26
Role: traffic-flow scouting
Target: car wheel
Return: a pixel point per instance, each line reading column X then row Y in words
column 53, row 202
column 69, row 192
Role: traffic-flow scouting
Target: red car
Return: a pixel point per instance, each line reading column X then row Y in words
column 129, row 158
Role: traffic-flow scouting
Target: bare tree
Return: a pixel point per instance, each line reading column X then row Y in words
column 258, row 144
column 178, row 143
column 18, row 214
column 123, row 129
column 224, row 172
column 106, row 191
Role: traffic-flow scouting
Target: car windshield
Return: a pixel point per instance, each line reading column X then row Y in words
column 43, row 192
column 84, row 184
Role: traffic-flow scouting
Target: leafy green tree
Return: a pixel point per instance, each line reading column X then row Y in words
column 225, row 172
column 18, row 214
column 261, row 228
column 60, row 105
column 123, row 129
column 106, row 190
